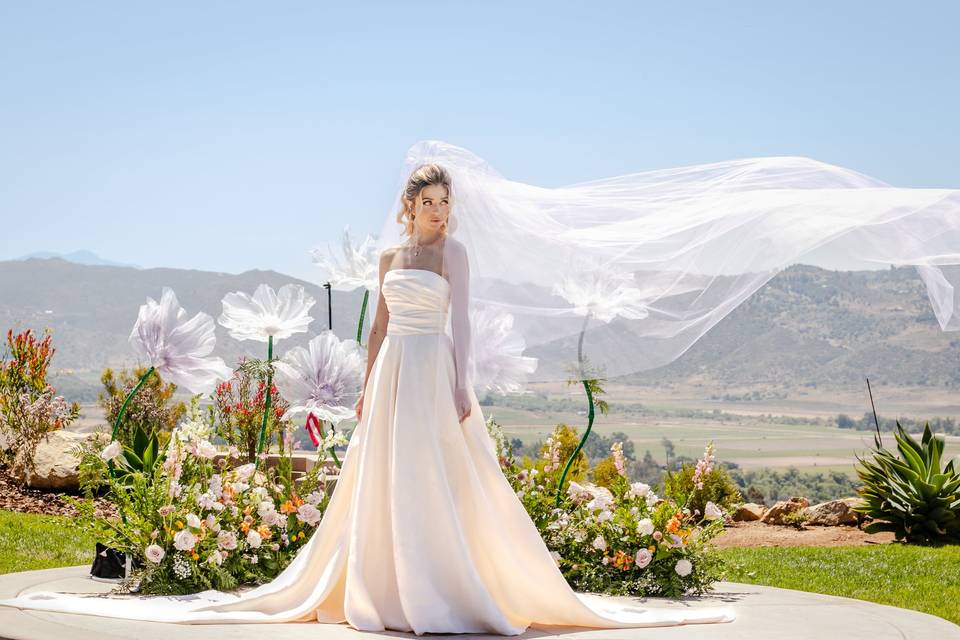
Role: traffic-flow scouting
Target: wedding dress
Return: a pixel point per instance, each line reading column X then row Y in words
column 423, row 532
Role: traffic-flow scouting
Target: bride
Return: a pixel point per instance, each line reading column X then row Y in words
column 423, row 532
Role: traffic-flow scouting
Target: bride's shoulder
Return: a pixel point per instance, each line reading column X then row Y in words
column 454, row 246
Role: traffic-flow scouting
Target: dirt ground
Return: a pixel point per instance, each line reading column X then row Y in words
column 756, row 534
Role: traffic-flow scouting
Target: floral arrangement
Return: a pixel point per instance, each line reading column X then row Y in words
column 193, row 524
column 623, row 540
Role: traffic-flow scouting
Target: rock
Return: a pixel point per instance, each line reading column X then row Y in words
column 55, row 465
column 748, row 512
column 831, row 514
column 777, row 512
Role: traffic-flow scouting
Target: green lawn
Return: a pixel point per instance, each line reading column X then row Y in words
column 29, row 541
column 921, row 578
column 912, row 577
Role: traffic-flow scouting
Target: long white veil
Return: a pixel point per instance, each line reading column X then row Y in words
column 615, row 276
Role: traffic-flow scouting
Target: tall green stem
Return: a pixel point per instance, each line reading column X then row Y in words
column 363, row 311
column 590, row 413
column 123, row 410
column 267, row 402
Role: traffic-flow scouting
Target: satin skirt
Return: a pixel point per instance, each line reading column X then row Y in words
column 423, row 533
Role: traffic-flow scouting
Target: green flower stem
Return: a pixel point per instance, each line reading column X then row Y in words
column 363, row 311
column 590, row 413
column 123, row 410
column 333, row 453
column 267, row 403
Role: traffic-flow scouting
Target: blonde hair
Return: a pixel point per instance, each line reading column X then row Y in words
column 424, row 176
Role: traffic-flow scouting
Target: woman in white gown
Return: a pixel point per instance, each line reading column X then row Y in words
column 423, row 532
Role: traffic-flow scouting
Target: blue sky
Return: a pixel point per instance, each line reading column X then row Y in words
column 237, row 135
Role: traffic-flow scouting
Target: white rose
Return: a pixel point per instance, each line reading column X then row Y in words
column 684, row 567
column 645, row 527
column 638, row 490
column 309, row 514
column 652, row 499
column 111, row 451
column 154, row 553
column 265, row 507
column 272, row 519
column 314, row 498
column 245, row 471
column 643, row 558
column 604, row 515
column 227, row 540
column 193, row 521
column 206, row 449
column 184, row 540
column 254, row 539
column 599, row 543
column 215, row 558
column 712, row 511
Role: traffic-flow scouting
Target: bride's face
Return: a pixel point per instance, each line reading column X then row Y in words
column 432, row 210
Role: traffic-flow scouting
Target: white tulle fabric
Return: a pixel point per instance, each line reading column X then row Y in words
column 644, row 264
column 423, row 532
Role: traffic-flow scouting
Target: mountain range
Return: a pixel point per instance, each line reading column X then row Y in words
column 806, row 327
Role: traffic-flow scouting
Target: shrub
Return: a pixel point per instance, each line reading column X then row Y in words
column 29, row 406
column 702, row 483
column 238, row 413
column 152, row 410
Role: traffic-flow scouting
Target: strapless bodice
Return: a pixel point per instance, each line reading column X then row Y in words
column 417, row 299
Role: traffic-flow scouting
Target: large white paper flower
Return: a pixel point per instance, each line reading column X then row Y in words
column 323, row 379
column 359, row 266
column 177, row 347
column 498, row 365
column 267, row 313
column 602, row 292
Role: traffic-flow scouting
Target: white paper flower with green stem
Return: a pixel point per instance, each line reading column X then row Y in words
column 176, row 347
column 323, row 379
column 497, row 362
column 359, row 267
column 597, row 291
column 267, row 316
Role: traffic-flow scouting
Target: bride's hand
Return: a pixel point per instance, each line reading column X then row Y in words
column 359, row 406
column 462, row 401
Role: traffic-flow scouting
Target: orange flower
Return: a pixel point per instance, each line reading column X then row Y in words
column 287, row 507
column 247, row 510
column 297, row 501
column 622, row 560
column 245, row 526
column 674, row 525
column 179, row 524
column 652, row 548
column 195, row 555
column 264, row 532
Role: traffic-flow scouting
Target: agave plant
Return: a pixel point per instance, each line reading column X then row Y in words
column 910, row 494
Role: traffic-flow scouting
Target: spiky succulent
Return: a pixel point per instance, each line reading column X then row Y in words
column 910, row 494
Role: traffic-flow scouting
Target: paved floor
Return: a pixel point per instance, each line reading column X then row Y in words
column 762, row 612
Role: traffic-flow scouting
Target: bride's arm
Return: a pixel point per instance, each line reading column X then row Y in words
column 378, row 330
column 458, row 269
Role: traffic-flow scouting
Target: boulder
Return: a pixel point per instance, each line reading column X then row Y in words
column 777, row 512
column 748, row 512
column 831, row 514
column 55, row 465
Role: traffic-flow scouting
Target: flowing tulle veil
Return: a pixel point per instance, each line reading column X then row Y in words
column 634, row 269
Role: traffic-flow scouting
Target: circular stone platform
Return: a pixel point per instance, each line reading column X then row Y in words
column 762, row 612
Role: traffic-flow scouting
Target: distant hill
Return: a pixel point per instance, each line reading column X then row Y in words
column 91, row 310
column 81, row 256
column 810, row 327
column 807, row 327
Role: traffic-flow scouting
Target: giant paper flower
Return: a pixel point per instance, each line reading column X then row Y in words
column 359, row 266
column 603, row 292
column 267, row 313
column 497, row 361
column 323, row 379
column 177, row 347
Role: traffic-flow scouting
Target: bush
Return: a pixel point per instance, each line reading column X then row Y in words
column 238, row 413
column 712, row 484
column 29, row 406
column 151, row 410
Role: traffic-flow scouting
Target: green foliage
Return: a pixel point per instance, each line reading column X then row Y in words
column 718, row 488
column 29, row 406
column 151, row 410
column 600, row 536
column 910, row 494
column 770, row 485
